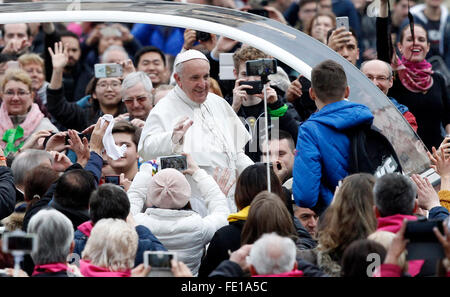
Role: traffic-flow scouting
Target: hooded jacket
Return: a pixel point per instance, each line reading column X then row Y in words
column 323, row 150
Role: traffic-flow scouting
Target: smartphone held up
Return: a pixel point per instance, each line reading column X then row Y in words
column 108, row 70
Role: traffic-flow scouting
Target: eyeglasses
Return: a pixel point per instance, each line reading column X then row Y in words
column 138, row 99
column 11, row 93
column 113, row 85
column 378, row 78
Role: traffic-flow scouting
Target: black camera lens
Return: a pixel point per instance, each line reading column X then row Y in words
column 202, row 36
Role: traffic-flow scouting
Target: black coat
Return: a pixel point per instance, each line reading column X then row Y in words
column 7, row 192
column 227, row 238
column 231, row 269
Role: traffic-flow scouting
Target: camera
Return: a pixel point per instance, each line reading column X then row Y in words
column 260, row 12
column 423, row 243
column 160, row 262
column 256, row 84
column 202, row 36
column 19, row 242
column 112, row 179
column 108, row 70
column 177, row 162
column 261, row 67
column 81, row 135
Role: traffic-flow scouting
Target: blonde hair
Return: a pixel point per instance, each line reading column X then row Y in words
column 26, row 59
column 112, row 244
column 16, row 74
column 385, row 239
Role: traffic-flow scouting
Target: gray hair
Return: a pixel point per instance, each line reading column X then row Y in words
column 133, row 79
column 112, row 48
column 55, row 235
column 26, row 161
column 179, row 68
column 272, row 254
column 395, row 194
column 112, row 244
column 389, row 67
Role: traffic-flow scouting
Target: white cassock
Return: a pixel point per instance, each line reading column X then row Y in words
column 216, row 139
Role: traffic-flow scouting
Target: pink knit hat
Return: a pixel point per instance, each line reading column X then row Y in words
column 169, row 189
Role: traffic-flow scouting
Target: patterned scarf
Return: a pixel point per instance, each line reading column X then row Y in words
column 415, row 76
column 13, row 137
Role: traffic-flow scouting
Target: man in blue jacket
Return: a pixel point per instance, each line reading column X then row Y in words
column 323, row 148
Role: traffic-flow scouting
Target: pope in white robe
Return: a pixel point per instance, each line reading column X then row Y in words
column 192, row 120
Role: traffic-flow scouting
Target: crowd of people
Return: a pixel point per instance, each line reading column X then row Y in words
column 79, row 152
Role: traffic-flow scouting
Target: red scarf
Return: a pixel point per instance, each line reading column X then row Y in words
column 415, row 76
column 49, row 268
column 89, row 270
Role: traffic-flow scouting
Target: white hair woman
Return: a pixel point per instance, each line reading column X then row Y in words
column 55, row 242
column 272, row 254
column 110, row 250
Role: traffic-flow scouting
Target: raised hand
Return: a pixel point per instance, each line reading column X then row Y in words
column 339, row 38
column 34, row 142
column 427, row 196
column 96, row 142
column 294, row 91
column 179, row 269
column 239, row 94
column 190, row 37
column 60, row 161
column 192, row 167
column 79, row 146
column 60, row 57
column 180, row 129
column 223, row 179
column 57, row 142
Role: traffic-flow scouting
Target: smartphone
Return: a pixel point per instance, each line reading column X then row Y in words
column 261, row 12
column 160, row 262
column 108, row 70
column 261, row 66
column 81, row 135
column 256, row 84
column 202, row 36
column 423, row 243
column 342, row 22
column 19, row 242
column 112, row 179
column 177, row 162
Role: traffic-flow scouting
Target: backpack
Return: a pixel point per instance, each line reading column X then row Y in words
column 371, row 152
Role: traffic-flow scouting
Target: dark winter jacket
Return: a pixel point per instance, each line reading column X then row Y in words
column 231, row 269
column 7, row 192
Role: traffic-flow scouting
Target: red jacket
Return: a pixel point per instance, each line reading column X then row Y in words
column 393, row 224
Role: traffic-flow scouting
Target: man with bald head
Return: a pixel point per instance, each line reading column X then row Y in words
column 190, row 119
column 380, row 73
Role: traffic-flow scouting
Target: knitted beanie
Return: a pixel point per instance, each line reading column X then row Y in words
column 169, row 189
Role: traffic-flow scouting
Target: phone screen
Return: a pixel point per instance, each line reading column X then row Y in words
column 112, row 179
column 176, row 162
column 20, row 243
column 159, row 260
